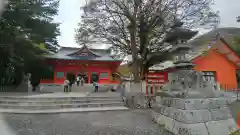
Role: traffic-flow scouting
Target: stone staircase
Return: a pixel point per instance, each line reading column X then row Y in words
column 51, row 104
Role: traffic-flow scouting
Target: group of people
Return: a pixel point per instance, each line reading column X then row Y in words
column 79, row 80
column 68, row 84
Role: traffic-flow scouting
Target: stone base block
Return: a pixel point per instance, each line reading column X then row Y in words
column 134, row 100
column 179, row 128
column 194, row 116
column 222, row 127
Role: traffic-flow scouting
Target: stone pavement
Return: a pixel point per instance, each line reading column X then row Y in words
column 59, row 94
column 85, row 88
column 131, row 122
column 67, row 110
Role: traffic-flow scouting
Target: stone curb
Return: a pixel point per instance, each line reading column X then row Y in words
column 92, row 109
column 49, row 95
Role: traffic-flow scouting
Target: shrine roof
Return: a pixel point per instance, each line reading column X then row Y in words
column 223, row 47
column 69, row 50
column 83, row 53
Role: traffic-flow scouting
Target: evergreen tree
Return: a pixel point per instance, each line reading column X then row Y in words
column 25, row 26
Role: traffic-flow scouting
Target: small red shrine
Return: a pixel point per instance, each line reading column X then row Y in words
column 84, row 61
column 155, row 78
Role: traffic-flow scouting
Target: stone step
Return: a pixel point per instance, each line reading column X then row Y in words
column 56, row 98
column 59, row 106
column 15, row 101
column 68, row 110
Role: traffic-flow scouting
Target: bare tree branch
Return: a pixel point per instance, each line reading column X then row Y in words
column 139, row 27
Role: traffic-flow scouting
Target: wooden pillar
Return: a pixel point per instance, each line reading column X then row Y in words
column 146, row 79
column 54, row 76
column 109, row 76
column 165, row 77
column 54, row 73
column 89, row 77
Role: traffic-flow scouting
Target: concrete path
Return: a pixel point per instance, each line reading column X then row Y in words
column 5, row 128
column 131, row 122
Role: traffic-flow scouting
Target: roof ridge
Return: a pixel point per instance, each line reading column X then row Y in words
column 81, row 49
column 83, row 46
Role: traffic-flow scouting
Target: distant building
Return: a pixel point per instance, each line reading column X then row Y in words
column 220, row 63
column 89, row 63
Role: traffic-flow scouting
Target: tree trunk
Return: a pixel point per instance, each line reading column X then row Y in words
column 135, row 71
column 134, row 50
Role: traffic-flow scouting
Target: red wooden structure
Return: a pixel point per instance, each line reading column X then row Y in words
column 82, row 61
column 154, row 80
column 223, row 62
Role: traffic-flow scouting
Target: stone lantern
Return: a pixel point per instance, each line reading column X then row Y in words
column 189, row 105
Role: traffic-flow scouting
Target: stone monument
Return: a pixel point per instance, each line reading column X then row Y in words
column 189, row 105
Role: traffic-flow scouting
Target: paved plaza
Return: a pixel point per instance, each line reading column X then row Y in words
column 131, row 122
column 46, row 88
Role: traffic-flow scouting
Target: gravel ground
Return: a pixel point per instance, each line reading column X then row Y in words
column 131, row 122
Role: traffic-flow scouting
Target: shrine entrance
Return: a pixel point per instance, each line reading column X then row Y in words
column 238, row 78
column 83, row 75
column 94, row 77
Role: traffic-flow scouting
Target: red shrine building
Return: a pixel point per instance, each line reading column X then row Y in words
column 82, row 61
column 220, row 63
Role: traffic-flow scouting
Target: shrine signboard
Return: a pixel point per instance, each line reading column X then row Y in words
column 154, row 80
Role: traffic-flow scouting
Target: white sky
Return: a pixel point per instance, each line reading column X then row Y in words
column 70, row 14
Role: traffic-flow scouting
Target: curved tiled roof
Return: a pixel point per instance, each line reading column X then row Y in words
column 74, row 53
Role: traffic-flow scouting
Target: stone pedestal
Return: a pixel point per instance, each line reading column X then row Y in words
column 183, row 116
column 134, row 95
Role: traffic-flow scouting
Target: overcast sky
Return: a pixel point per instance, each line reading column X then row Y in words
column 69, row 16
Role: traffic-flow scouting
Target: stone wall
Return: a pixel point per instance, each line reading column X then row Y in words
column 209, row 116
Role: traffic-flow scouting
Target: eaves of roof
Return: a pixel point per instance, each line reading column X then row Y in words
column 233, row 52
column 89, row 58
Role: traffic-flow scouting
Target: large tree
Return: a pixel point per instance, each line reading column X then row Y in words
column 25, row 26
column 138, row 27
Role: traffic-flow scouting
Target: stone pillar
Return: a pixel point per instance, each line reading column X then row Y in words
column 25, row 85
column 135, row 97
column 29, row 86
column 144, row 86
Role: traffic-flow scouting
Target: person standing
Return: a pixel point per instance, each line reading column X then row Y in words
column 66, row 85
column 78, row 80
column 96, row 86
column 70, row 86
column 82, row 81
